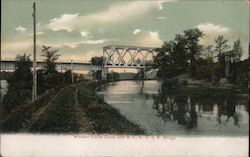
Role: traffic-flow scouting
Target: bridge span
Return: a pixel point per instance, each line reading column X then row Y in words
column 9, row 65
column 114, row 56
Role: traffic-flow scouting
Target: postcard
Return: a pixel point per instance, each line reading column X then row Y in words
column 124, row 78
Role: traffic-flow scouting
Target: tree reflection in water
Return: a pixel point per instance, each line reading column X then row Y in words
column 186, row 110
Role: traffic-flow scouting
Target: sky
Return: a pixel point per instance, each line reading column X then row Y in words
column 80, row 28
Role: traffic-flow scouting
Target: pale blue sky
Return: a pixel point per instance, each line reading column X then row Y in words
column 80, row 28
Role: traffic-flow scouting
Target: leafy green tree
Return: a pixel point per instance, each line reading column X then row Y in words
column 19, row 84
column 193, row 47
column 236, row 52
column 97, row 60
column 172, row 59
column 52, row 77
column 97, row 74
column 50, row 58
column 221, row 47
column 68, row 76
column 208, row 52
column 234, row 57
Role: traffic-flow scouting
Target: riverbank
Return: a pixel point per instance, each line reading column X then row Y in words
column 102, row 117
column 72, row 109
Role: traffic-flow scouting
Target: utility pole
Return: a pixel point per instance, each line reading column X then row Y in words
column 72, row 75
column 34, row 86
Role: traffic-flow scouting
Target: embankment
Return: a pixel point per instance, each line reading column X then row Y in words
column 72, row 109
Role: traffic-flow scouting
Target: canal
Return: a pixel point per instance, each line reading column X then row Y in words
column 214, row 116
column 4, row 87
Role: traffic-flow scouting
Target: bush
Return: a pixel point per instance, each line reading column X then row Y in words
column 184, row 82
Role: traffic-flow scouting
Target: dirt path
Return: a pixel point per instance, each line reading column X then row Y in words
column 82, row 120
column 36, row 115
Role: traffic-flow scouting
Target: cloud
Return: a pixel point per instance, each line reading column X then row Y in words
column 75, row 44
column 20, row 29
column 160, row 18
column 14, row 46
column 149, row 38
column 136, row 31
column 115, row 14
column 101, row 41
column 63, row 22
column 84, row 33
column 211, row 31
column 37, row 33
column 39, row 24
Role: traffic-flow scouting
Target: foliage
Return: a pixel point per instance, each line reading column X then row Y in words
column 193, row 47
column 97, row 60
column 22, row 115
column 185, row 54
column 67, row 76
column 221, row 48
column 97, row 75
column 19, row 84
column 236, row 52
column 113, row 76
column 60, row 114
column 50, row 58
column 176, row 56
column 49, row 77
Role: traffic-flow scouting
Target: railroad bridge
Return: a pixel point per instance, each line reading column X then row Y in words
column 119, row 56
column 115, row 56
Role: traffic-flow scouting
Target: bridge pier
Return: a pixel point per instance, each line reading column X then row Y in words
column 104, row 73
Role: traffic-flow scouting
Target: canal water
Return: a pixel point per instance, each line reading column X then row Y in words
column 4, row 87
column 136, row 100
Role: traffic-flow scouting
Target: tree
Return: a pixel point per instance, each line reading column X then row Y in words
column 51, row 57
column 233, row 58
column 97, row 60
column 208, row 52
column 193, row 47
column 19, row 84
column 173, row 57
column 236, row 52
column 52, row 77
column 221, row 47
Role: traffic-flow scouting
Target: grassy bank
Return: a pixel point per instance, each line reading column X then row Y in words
column 72, row 109
column 21, row 117
column 59, row 116
column 102, row 117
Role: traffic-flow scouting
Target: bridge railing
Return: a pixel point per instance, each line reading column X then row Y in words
column 39, row 59
column 61, row 66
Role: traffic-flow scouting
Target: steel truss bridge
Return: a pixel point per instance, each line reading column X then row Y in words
column 118, row 56
column 115, row 56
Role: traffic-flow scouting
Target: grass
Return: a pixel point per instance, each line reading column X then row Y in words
column 21, row 116
column 66, row 111
column 60, row 115
column 103, row 118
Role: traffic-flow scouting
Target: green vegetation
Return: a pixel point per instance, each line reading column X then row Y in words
column 212, row 63
column 5, row 75
column 102, row 117
column 19, row 84
column 60, row 114
column 72, row 109
column 21, row 116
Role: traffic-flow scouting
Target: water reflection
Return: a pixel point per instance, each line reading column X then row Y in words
column 175, row 114
column 186, row 110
